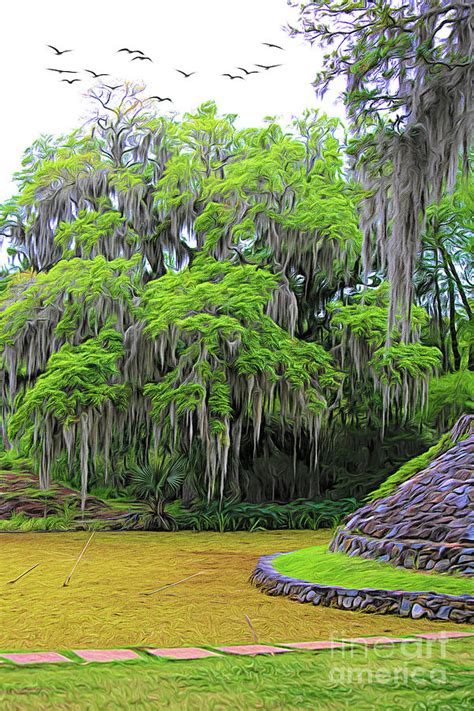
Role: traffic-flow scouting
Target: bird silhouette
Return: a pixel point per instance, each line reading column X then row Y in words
column 112, row 88
column 130, row 51
column 70, row 81
column 268, row 66
column 142, row 58
column 59, row 51
column 159, row 98
column 96, row 76
column 254, row 71
column 61, row 71
column 185, row 75
column 270, row 44
column 231, row 76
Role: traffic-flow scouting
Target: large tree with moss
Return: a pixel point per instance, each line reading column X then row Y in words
column 408, row 72
column 193, row 287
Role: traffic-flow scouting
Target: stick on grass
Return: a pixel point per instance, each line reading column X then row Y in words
column 170, row 585
column 66, row 582
column 10, row 582
column 254, row 634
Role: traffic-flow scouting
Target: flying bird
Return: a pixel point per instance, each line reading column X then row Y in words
column 159, row 98
column 231, row 76
column 254, row 71
column 269, row 66
column 275, row 46
column 130, row 51
column 186, row 76
column 96, row 76
column 112, row 88
column 70, row 81
column 58, row 51
column 61, row 71
column 142, row 58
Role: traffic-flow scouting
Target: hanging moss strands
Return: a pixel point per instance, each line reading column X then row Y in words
column 186, row 286
column 409, row 101
column 232, row 363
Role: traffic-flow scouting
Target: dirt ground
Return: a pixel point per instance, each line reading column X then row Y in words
column 104, row 605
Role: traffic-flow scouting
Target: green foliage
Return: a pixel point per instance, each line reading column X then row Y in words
column 88, row 229
column 75, row 379
column 156, row 483
column 366, row 319
column 401, row 361
column 232, row 516
column 12, row 460
column 191, row 285
column 449, row 396
column 72, row 288
column 223, row 341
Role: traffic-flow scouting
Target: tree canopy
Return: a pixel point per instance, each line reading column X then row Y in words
column 408, row 73
column 186, row 286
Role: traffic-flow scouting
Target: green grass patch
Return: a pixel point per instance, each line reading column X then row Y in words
column 23, row 523
column 318, row 565
column 421, row 675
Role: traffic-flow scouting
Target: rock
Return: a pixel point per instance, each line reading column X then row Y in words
column 442, row 565
column 443, row 612
column 417, row 611
column 405, row 607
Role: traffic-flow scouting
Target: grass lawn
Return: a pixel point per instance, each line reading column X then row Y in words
column 423, row 675
column 104, row 606
column 318, row 565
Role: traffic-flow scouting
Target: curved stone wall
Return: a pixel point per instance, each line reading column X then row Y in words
column 430, row 605
column 419, row 555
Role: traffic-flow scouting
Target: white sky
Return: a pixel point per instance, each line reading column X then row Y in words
column 210, row 36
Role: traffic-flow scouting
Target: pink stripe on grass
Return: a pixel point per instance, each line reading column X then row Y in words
column 253, row 649
column 35, row 657
column 371, row 641
column 444, row 635
column 317, row 645
column 106, row 655
column 181, row 652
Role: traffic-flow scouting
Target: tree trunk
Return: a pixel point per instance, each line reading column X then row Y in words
column 452, row 315
column 439, row 310
column 450, row 264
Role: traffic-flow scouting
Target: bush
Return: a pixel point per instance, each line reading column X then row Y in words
column 232, row 516
column 10, row 460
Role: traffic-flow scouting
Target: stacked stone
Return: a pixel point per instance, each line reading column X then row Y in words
column 429, row 605
column 428, row 522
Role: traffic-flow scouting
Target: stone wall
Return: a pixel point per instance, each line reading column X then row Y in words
column 419, row 555
column 433, row 606
column 428, row 521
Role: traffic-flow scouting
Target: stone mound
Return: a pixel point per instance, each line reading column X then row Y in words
column 428, row 522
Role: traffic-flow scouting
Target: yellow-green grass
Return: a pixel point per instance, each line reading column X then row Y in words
column 318, row 565
column 411, row 676
column 104, row 606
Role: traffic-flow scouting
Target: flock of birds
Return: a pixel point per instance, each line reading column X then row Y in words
column 140, row 56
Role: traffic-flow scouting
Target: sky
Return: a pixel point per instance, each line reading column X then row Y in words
column 207, row 36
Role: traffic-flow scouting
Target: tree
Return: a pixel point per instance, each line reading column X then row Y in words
column 197, row 288
column 408, row 71
column 442, row 277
